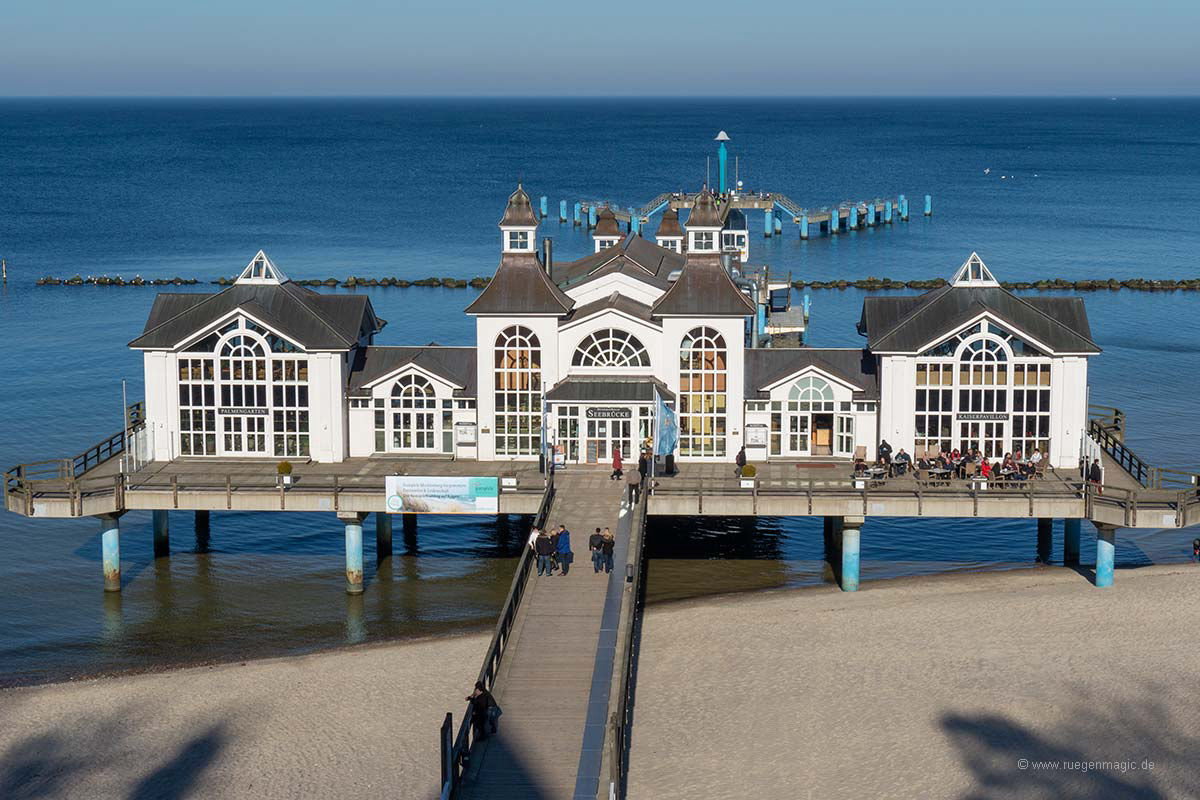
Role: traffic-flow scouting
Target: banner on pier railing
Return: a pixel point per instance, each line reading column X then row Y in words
column 447, row 494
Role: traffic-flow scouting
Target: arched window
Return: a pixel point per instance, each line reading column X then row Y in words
column 518, row 378
column 810, row 394
column 413, row 404
column 702, row 393
column 244, row 395
column 609, row 347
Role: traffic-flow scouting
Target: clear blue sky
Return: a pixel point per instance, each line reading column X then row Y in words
column 372, row 47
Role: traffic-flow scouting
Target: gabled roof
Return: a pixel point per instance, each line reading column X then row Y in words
column 906, row 324
column 313, row 321
column 769, row 365
column 608, row 389
column 606, row 224
column 519, row 211
column 704, row 288
column 455, row 364
column 635, row 256
column 616, row 301
column 705, row 213
column 669, row 227
column 521, row 286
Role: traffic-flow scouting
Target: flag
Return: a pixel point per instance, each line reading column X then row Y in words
column 666, row 428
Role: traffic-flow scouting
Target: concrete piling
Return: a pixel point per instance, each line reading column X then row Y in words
column 562, row 211
column 778, row 224
column 928, row 205
column 354, row 552
column 578, row 214
column 383, row 536
column 871, row 214
column 162, row 534
column 591, row 217
column 851, row 528
column 804, row 226
column 110, row 551
column 1106, row 546
column 768, row 224
column 835, row 221
column 1071, row 528
column 545, row 208
column 887, row 212
column 852, row 222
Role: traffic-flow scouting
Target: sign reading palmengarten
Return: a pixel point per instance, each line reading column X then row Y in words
column 416, row 494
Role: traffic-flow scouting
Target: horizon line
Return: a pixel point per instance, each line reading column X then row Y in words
column 560, row 97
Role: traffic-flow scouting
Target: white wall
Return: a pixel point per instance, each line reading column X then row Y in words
column 897, row 401
column 162, row 402
column 1068, row 410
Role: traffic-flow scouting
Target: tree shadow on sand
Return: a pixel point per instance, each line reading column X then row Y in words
column 64, row 762
column 1103, row 749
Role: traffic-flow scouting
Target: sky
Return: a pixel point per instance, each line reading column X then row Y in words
column 540, row 48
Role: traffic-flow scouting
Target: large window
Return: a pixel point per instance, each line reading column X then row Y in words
column 610, row 347
column 702, row 393
column 935, row 407
column 518, row 376
column 197, row 407
column 413, row 405
column 1031, row 408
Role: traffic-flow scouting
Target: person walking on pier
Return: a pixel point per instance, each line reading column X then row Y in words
column 616, row 473
column 740, row 460
column 595, row 545
column 633, row 479
column 562, row 547
column 544, row 548
column 1095, row 475
column 481, row 706
column 606, row 550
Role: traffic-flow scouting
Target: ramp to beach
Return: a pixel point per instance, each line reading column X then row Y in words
column 554, row 683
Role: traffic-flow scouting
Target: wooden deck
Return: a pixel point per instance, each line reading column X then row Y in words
column 554, row 680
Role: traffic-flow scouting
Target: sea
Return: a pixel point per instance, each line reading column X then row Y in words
column 1041, row 188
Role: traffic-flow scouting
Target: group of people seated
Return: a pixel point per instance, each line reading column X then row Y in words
column 944, row 463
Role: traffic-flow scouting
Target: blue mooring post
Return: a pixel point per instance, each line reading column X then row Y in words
column 835, row 221
column 545, row 208
column 804, row 226
column 162, row 535
column 1071, row 540
column 887, row 212
column 871, row 214
column 591, row 217
column 1106, row 546
column 578, row 214
column 778, row 224
column 768, row 225
column 562, row 210
column 852, row 223
column 928, row 205
column 851, row 527
column 903, row 208
column 633, row 222
column 110, row 552
column 354, row 558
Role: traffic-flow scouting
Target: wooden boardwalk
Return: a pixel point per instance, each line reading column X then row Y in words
column 554, row 683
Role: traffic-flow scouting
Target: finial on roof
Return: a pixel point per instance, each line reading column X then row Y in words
column 519, row 211
column 722, row 137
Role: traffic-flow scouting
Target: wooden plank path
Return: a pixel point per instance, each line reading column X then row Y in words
column 553, row 686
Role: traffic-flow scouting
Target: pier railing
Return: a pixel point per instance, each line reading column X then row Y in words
column 1106, row 427
column 456, row 750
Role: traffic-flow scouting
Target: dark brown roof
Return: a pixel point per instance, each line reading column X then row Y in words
column 635, row 256
column 905, row 324
column 608, row 388
column 769, row 365
column 455, row 364
column 615, row 300
column 703, row 289
column 521, row 286
column 313, row 321
column 519, row 211
column 606, row 223
column 669, row 227
column 704, row 211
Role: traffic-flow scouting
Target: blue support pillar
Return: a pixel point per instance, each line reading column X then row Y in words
column 851, row 527
column 562, row 211
column 852, row 223
column 383, row 535
column 804, row 226
column 835, row 221
column 545, row 208
column 722, row 162
column 354, row 552
column 1071, row 540
column 768, row 224
column 591, row 217
column 903, row 208
column 887, row 212
column 110, row 552
column 634, row 222
column 578, row 215
column 162, row 535
column 1106, row 547
column 778, row 224
column 871, row 214
column 928, row 205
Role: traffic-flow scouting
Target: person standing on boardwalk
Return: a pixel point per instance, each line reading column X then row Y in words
column 595, row 544
column 562, row 546
column 616, row 473
column 633, row 479
column 1095, row 475
column 740, row 460
column 606, row 550
column 643, row 463
column 544, row 548
column 481, row 705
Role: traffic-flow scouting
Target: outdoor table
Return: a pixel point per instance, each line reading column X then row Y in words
column 939, row 475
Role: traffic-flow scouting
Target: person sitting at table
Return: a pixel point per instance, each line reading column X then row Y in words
column 885, row 453
column 923, row 467
column 1008, row 465
column 860, row 467
column 1035, row 460
column 902, row 462
column 985, row 469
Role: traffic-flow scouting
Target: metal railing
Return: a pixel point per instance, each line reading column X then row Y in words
column 456, row 751
column 1106, row 427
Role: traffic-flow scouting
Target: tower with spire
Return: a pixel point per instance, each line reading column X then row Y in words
column 607, row 232
column 704, row 225
column 518, row 226
column 669, row 234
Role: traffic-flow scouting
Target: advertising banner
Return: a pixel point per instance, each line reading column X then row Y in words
column 414, row 494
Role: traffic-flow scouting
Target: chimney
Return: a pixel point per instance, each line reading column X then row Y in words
column 548, row 256
column 727, row 262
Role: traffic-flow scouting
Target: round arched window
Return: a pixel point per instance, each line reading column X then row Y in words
column 610, row 347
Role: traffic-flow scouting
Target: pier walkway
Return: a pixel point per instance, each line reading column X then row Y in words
column 562, row 660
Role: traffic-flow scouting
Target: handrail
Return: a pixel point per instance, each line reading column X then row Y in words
column 94, row 456
column 456, row 759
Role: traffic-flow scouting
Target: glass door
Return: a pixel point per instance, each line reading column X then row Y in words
column 598, row 451
column 798, row 434
column 989, row 437
column 845, row 435
column 620, row 437
column 245, row 433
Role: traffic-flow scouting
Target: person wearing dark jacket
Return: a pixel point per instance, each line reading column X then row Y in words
column 633, row 479
column 562, row 548
column 1095, row 475
column 543, row 546
column 643, row 463
column 596, row 544
column 606, row 550
column 481, row 705
column 740, row 460
column 885, row 452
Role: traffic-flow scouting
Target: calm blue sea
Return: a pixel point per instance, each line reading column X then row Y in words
column 1076, row 189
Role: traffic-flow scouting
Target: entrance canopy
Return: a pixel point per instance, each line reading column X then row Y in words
column 608, row 389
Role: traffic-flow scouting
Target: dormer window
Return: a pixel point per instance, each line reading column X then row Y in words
column 669, row 244
column 604, row 244
column 703, row 241
column 519, row 240
column 261, row 270
column 974, row 272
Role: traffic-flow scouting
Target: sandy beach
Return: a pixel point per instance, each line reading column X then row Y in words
column 933, row 687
